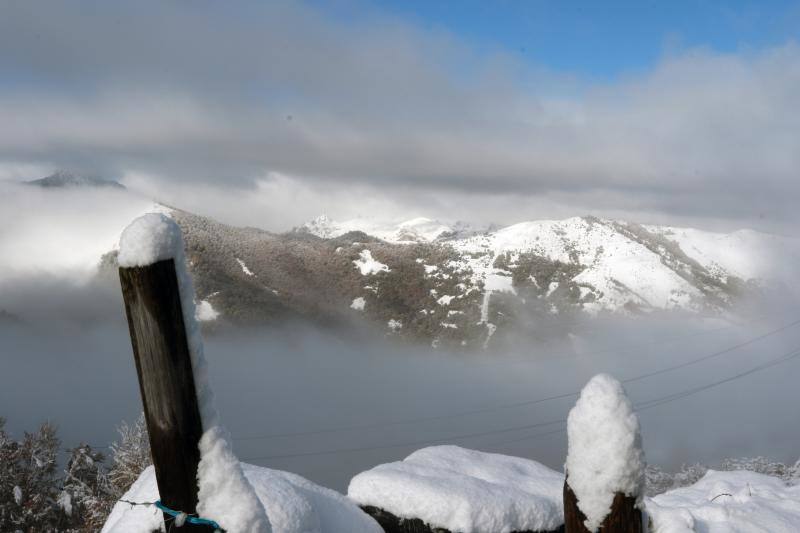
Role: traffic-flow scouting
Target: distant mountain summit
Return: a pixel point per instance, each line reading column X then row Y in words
column 418, row 229
column 67, row 179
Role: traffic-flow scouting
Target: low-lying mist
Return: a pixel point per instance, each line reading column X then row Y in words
column 327, row 404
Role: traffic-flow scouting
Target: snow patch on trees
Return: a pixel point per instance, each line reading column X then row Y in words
column 604, row 449
column 394, row 324
column 246, row 270
column 445, row 300
column 358, row 304
column 367, row 265
column 223, row 491
column 205, row 311
column 465, row 490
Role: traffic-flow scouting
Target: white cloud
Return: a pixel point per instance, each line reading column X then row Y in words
column 213, row 101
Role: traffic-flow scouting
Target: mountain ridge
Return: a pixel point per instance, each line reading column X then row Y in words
column 424, row 280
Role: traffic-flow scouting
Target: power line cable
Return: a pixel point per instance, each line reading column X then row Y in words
column 500, row 407
column 637, row 408
column 649, row 404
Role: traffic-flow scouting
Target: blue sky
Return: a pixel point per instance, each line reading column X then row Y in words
column 597, row 39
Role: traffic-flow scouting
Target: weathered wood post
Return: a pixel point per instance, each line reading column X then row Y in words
column 166, row 381
column 195, row 466
column 605, row 463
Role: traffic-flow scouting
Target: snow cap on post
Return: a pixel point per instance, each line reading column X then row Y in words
column 148, row 239
column 604, row 454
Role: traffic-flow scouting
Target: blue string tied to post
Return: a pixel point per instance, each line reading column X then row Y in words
column 191, row 519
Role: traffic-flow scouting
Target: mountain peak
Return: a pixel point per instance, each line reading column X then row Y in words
column 419, row 229
column 64, row 178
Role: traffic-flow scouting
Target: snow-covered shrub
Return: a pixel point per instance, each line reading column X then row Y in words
column 130, row 455
column 762, row 465
column 35, row 496
column 658, row 481
column 28, row 484
column 87, row 495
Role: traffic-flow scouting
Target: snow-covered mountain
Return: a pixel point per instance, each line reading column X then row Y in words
column 587, row 265
column 419, row 229
column 425, row 280
column 420, row 278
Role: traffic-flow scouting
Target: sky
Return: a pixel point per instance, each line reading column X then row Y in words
column 270, row 113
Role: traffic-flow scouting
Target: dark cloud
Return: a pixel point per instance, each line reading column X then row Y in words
column 182, row 95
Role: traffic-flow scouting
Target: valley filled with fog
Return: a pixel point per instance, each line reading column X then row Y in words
column 328, row 405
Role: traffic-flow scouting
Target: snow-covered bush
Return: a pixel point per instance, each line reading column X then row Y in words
column 130, row 455
column 87, row 495
column 28, row 483
column 762, row 465
column 36, row 496
column 658, row 481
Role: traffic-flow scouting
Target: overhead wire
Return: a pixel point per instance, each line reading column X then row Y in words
column 637, row 408
column 513, row 405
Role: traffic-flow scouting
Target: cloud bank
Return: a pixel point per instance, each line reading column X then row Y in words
column 206, row 104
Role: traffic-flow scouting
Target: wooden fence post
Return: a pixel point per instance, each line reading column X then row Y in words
column 624, row 516
column 166, row 381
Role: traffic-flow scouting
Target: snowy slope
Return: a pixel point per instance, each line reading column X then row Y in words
column 746, row 254
column 553, row 267
column 728, row 502
column 618, row 269
column 621, row 263
column 414, row 230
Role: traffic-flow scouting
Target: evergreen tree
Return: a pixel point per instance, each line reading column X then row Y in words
column 87, row 495
column 28, row 483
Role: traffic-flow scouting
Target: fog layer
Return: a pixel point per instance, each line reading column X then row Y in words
column 327, row 405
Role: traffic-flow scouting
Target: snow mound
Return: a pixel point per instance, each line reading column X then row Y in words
column 604, row 449
column 294, row 505
column 224, row 494
column 465, row 490
column 743, row 502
